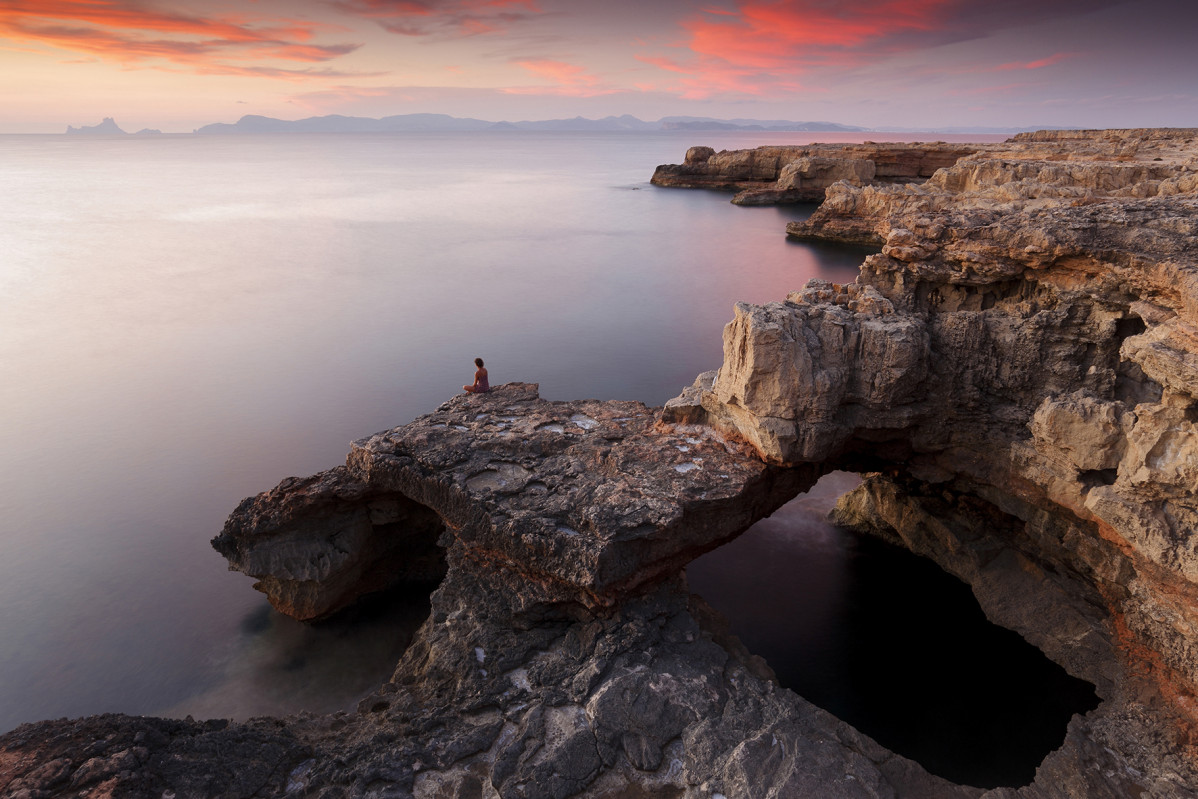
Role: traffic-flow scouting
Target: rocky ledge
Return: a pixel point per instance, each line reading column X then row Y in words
column 1016, row 371
column 563, row 655
column 587, row 500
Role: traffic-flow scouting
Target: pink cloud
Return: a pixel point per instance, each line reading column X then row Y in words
column 572, row 80
column 1056, row 58
column 442, row 17
column 765, row 45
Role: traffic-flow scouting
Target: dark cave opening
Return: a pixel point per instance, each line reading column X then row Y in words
column 890, row 643
column 1093, row 478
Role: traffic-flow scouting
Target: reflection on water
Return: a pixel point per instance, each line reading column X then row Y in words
column 278, row 666
column 890, row 643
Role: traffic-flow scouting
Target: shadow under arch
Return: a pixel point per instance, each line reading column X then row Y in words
column 890, row 642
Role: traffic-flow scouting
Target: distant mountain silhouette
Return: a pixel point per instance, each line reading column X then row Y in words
column 625, row 122
column 106, row 128
column 442, row 122
column 336, row 123
column 708, row 123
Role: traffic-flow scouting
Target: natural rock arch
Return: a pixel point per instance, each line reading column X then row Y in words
column 590, row 500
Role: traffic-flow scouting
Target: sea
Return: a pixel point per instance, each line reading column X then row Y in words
column 186, row 320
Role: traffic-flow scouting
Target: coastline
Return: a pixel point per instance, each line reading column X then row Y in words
column 977, row 248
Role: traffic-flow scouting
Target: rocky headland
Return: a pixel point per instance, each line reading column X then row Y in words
column 1016, row 372
column 1021, row 355
column 802, row 173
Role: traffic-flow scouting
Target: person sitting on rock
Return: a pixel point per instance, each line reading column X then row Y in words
column 481, row 386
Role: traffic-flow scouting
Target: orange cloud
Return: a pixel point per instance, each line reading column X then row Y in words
column 764, row 45
column 131, row 33
column 442, row 17
column 1056, row 58
column 560, row 71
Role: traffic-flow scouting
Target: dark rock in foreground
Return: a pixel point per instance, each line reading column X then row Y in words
column 143, row 758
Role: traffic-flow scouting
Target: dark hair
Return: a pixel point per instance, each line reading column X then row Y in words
column 478, row 362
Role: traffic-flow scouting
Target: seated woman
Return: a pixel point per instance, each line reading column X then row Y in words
column 480, row 379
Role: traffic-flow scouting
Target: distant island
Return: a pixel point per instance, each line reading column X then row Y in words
column 108, row 127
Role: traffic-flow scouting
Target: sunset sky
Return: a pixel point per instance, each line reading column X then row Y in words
column 929, row 64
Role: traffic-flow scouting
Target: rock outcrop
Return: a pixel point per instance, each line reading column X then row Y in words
column 320, row 543
column 563, row 655
column 793, row 174
column 589, row 500
column 1020, row 361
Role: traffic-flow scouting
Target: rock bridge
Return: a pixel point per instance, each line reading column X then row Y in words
column 588, row 500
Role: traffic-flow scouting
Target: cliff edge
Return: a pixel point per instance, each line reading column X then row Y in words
column 1021, row 362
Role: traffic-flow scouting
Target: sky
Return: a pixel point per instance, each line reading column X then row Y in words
column 175, row 65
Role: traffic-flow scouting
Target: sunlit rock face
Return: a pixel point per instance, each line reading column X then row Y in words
column 1021, row 358
column 790, row 174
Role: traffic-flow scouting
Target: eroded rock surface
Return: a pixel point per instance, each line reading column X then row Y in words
column 792, row 174
column 143, row 758
column 563, row 655
column 589, row 499
column 317, row 544
column 1021, row 362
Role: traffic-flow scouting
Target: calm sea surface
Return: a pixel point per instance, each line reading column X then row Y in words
column 185, row 321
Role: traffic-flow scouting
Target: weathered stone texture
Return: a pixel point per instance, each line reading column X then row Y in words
column 772, row 174
column 1035, row 350
column 590, row 499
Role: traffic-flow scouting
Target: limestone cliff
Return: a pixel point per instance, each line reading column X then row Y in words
column 783, row 174
column 589, row 500
column 1021, row 363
